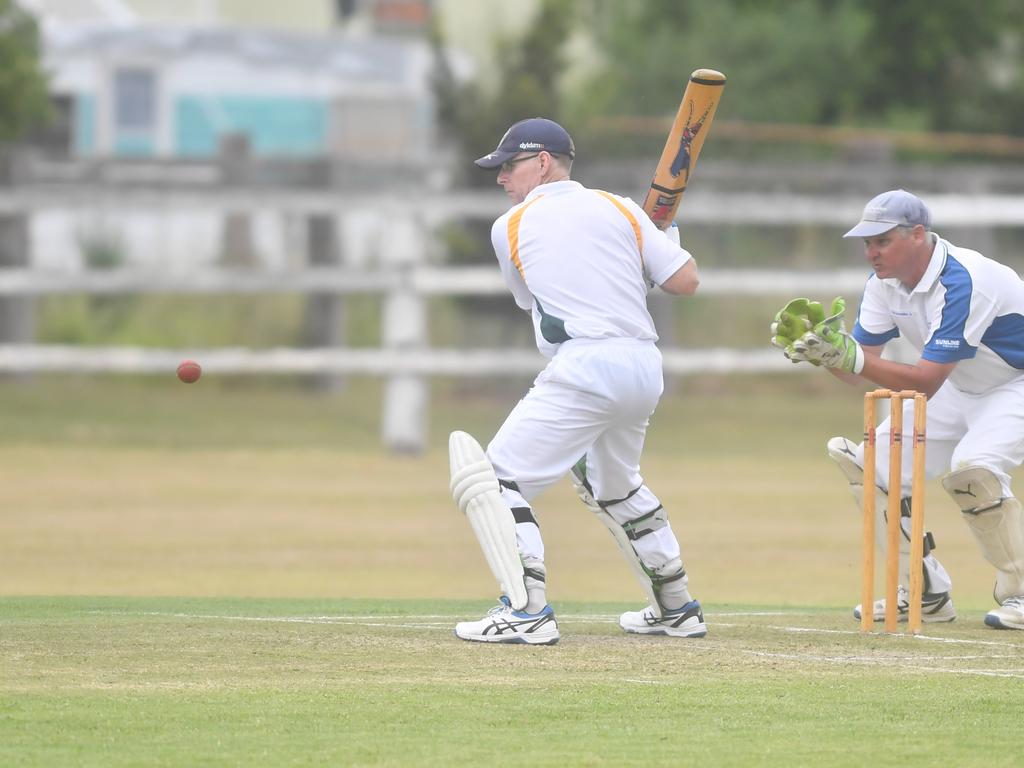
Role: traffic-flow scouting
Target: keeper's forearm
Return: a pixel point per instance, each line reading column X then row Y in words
column 893, row 375
column 850, row 378
column 922, row 376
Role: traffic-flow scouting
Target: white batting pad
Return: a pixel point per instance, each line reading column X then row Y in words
column 475, row 489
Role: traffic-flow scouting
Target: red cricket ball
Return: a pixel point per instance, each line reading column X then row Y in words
column 189, row 371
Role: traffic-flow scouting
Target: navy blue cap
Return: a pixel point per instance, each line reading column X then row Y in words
column 536, row 134
column 896, row 208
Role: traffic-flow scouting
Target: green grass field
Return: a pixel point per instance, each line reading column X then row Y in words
column 234, row 573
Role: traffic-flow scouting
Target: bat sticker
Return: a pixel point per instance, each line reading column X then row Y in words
column 682, row 159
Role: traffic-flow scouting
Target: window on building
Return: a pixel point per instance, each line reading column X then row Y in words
column 135, row 111
column 135, row 95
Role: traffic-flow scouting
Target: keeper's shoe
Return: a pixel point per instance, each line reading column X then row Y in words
column 504, row 625
column 1010, row 615
column 936, row 608
column 687, row 621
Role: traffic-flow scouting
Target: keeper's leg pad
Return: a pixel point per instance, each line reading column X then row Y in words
column 996, row 521
column 843, row 452
column 474, row 487
column 669, row 576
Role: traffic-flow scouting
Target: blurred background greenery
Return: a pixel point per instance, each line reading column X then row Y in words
column 914, row 65
column 613, row 73
column 818, row 90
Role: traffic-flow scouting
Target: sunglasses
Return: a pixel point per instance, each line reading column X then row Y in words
column 509, row 164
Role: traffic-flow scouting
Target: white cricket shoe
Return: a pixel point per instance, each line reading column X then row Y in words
column 687, row 621
column 503, row 625
column 935, row 608
column 1010, row 615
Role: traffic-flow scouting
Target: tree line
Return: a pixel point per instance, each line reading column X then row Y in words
column 921, row 65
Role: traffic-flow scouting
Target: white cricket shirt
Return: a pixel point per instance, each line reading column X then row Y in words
column 581, row 261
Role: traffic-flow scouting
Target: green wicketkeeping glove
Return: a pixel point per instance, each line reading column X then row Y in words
column 797, row 318
column 835, row 318
column 831, row 347
column 794, row 320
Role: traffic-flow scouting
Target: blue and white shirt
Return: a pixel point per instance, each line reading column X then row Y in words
column 966, row 309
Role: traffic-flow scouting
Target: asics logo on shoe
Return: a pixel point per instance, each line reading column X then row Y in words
column 523, row 626
column 503, row 625
column 687, row 621
column 677, row 619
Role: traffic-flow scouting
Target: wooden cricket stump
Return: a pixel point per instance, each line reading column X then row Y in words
column 892, row 549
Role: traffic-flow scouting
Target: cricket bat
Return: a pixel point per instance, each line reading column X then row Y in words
column 679, row 158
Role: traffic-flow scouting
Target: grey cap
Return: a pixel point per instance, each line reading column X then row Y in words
column 896, row 208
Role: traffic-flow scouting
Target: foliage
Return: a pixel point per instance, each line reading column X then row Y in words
column 170, row 321
column 101, row 247
column 651, row 47
column 476, row 117
column 527, row 87
column 914, row 64
column 24, row 101
column 956, row 68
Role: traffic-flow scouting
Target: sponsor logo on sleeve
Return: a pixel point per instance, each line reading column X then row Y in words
column 947, row 343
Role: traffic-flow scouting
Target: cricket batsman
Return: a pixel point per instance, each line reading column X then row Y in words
column 581, row 262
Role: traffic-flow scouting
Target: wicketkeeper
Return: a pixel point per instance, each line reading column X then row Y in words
column 581, row 262
column 964, row 314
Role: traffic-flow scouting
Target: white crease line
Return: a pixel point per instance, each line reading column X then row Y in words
column 981, row 672
column 378, row 617
column 367, row 621
column 417, row 622
column 902, row 635
column 883, row 662
column 439, row 618
column 430, row 621
column 884, row 659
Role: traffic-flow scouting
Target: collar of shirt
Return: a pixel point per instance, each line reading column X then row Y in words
column 935, row 266
column 553, row 188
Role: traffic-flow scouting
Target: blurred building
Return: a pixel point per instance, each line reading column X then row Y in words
column 348, row 78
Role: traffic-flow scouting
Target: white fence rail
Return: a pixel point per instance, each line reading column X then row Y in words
column 424, row 281
column 401, row 277
column 404, row 361
column 29, row 358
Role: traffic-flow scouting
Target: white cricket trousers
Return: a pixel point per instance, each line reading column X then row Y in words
column 595, row 397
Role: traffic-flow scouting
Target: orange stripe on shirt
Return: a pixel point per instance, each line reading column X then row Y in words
column 513, row 235
column 632, row 221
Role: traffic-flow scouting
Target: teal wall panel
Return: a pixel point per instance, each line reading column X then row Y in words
column 84, row 132
column 274, row 125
